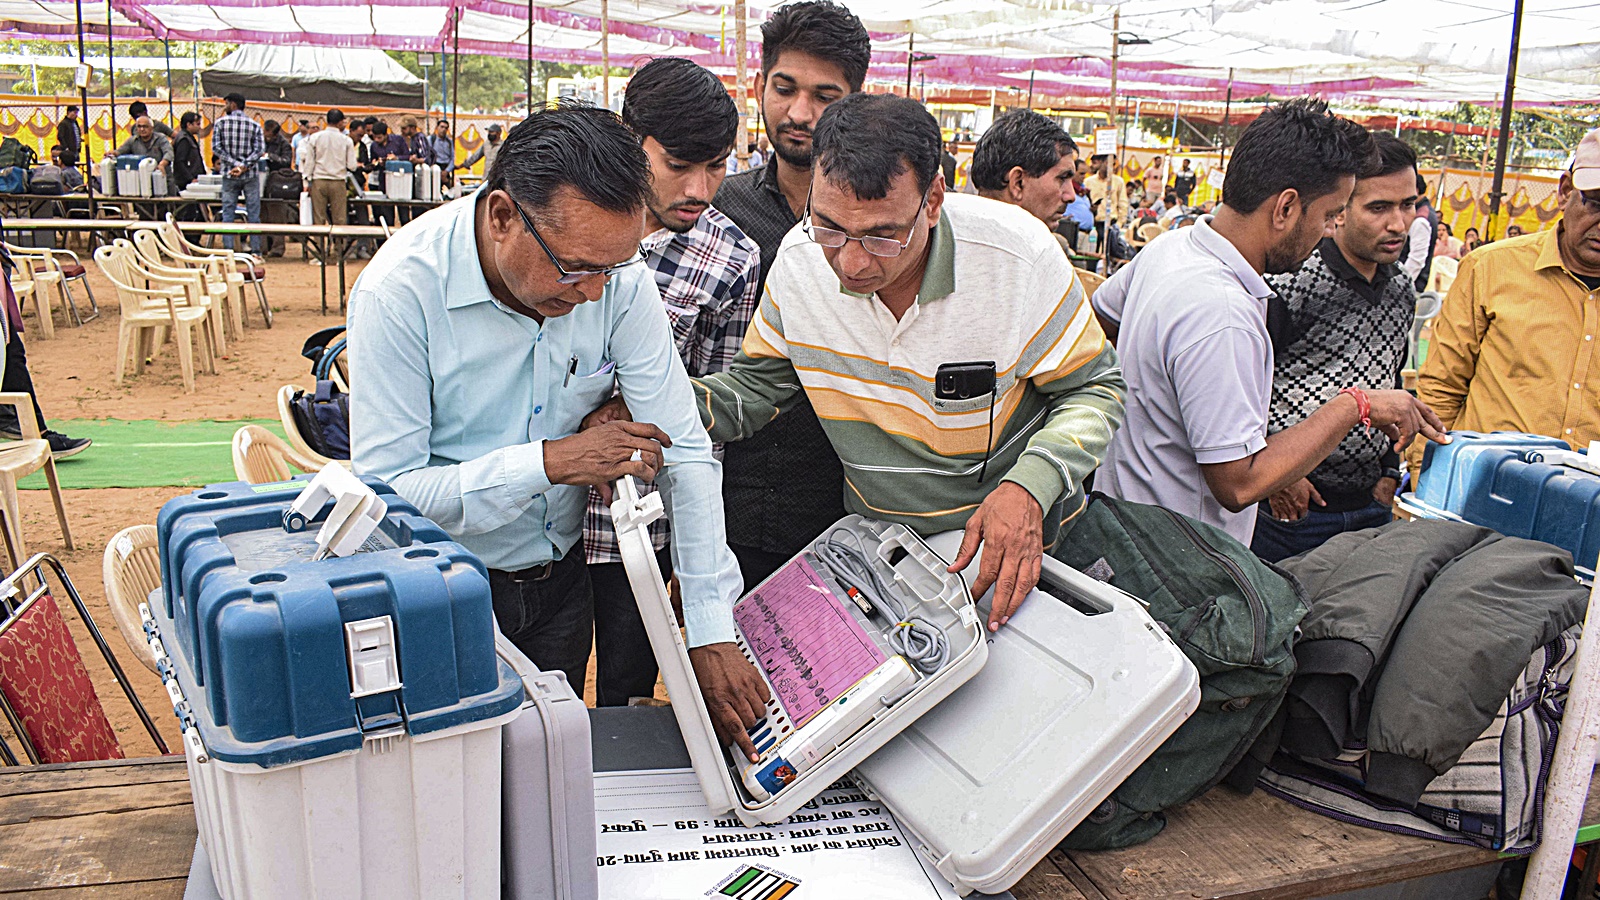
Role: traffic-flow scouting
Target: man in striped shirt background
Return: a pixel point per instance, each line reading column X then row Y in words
column 886, row 279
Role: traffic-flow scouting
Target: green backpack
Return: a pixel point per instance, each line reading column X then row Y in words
column 1233, row 615
column 15, row 153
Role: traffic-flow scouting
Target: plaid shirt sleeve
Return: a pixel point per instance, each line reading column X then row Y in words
column 709, row 279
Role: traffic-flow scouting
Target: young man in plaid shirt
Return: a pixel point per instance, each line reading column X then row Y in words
column 238, row 144
column 707, row 271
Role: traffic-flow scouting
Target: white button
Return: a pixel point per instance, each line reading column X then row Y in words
column 1569, row 431
column 1577, row 387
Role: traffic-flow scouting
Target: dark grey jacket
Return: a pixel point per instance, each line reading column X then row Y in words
column 1416, row 632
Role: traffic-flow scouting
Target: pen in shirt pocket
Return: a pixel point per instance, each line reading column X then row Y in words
column 572, row 369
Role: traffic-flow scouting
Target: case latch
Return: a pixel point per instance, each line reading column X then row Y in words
column 375, row 676
column 629, row 510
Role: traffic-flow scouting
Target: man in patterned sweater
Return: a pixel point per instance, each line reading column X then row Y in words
column 1350, row 308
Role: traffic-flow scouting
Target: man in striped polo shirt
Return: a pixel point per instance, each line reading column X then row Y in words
column 886, row 279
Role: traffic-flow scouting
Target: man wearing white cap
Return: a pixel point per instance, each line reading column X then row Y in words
column 1514, row 348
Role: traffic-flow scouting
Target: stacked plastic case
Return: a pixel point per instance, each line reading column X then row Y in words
column 1522, row 485
column 343, row 718
column 993, row 759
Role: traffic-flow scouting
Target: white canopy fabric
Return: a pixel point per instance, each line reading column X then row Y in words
column 1371, row 50
column 314, row 75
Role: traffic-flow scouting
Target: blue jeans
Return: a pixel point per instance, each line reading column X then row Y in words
column 1275, row 540
column 251, row 186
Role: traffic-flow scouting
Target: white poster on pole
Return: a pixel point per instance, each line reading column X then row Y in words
column 657, row 839
column 1105, row 141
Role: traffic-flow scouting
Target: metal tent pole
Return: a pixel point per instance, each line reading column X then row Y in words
column 1031, row 73
column 83, row 128
column 166, row 50
column 911, row 54
column 1227, row 109
column 455, row 86
column 741, row 74
column 605, row 53
column 1502, row 146
column 530, row 57
column 1116, row 48
column 111, row 74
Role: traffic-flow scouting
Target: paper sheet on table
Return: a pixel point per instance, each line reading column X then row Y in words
column 657, row 841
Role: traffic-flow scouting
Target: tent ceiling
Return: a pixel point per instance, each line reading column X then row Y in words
column 1375, row 50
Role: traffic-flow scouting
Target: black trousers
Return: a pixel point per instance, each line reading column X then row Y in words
column 625, row 666
column 756, row 564
column 548, row 613
column 17, row 380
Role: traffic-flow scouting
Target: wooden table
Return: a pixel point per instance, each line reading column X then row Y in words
column 126, row 830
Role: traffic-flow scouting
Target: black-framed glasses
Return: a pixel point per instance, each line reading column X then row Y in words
column 833, row 239
column 566, row 277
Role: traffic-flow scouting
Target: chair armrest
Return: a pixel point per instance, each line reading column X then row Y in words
column 24, row 407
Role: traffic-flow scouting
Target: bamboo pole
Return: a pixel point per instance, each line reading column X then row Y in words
column 605, row 53
column 741, row 69
column 1496, row 191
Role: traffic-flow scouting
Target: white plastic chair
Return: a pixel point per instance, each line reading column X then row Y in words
column 147, row 309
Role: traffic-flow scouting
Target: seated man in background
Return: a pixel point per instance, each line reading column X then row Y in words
column 1026, row 160
column 482, row 334
column 888, row 278
column 707, row 271
column 1514, row 345
column 1190, row 319
column 148, row 143
column 1350, row 308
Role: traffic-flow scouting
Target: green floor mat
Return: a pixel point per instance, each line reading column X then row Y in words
column 146, row 453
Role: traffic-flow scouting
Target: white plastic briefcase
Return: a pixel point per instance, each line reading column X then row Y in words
column 1081, row 687
column 997, row 762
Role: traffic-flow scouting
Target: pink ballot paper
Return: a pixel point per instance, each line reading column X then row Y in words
column 809, row 645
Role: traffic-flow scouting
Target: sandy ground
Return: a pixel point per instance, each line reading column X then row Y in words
column 74, row 376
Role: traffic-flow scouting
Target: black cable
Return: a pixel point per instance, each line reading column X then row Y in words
column 989, row 447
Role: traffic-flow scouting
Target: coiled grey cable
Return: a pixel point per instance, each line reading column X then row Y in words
column 922, row 643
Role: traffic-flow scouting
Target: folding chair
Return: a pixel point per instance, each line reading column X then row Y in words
column 46, row 694
column 261, row 457
column 130, row 571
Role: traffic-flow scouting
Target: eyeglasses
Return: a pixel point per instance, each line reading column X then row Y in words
column 573, row 277
column 833, row 239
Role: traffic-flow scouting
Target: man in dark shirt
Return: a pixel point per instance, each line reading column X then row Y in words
column 69, row 135
column 1183, row 183
column 784, row 486
column 188, row 162
column 1350, row 308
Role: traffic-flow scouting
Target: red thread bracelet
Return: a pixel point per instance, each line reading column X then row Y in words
column 1363, row 404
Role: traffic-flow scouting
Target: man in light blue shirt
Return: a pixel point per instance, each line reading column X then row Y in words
column 480, row 336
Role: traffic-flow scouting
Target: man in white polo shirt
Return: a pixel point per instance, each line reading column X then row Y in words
column 1190, row 319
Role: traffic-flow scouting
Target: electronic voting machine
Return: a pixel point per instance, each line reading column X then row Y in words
column 988, row 748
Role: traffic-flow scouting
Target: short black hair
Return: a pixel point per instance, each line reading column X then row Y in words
column 1296, row 144
column 1099, row 156
column 237, row 99
column 72, row 107
column 684, row 107
column 1022, row 138
column 1395, row 155
column 186, row 118
column 335, row 116
column 822, row 29
column 372, row 120
column 137, row 109
column 1170, row 197
column 380, row 127
column 573, row 145
column 863, row 141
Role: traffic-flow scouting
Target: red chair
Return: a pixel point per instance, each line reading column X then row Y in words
column 46, row 694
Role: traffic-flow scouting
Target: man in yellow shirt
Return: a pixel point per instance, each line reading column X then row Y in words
column 1514, row 346
column 1107, row 193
